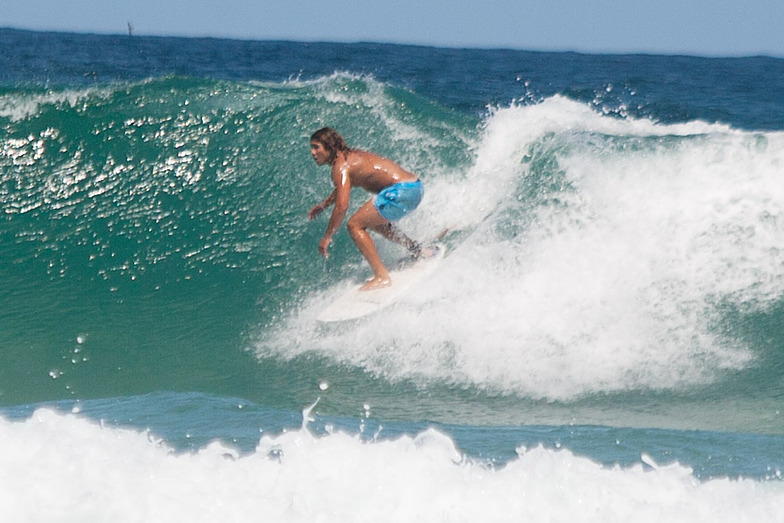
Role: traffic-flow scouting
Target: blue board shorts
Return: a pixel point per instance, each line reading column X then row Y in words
column 399, row 199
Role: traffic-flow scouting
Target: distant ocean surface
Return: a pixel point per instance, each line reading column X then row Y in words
column 603, row 342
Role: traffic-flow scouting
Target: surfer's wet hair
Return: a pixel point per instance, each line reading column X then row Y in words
column 332, row 141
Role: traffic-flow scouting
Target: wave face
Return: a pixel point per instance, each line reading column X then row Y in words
column 148, row 225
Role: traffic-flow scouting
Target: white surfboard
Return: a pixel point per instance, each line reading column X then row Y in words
column 356, row 303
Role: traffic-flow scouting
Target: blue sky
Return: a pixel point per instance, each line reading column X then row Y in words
column 698, row 27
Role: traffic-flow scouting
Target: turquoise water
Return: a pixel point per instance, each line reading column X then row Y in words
column 611, row 303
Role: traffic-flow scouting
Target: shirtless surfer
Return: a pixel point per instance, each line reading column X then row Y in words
column 398, row 192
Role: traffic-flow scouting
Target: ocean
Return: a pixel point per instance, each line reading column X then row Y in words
column 604, row 340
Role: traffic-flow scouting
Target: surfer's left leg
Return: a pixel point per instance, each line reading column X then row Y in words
column 367, row 217
column 418, row 251
column 393, row 203
column 392, row 232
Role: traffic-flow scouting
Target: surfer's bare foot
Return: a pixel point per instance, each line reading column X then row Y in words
column 376, row 283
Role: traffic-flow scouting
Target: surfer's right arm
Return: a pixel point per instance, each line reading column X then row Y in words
column 342, row 194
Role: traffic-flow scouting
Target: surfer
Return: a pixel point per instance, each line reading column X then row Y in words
column 398, row 192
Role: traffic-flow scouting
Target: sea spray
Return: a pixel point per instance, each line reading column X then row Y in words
column 618, row 242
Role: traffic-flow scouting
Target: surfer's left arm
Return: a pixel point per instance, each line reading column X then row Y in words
column 342, row 193
column 319, row 208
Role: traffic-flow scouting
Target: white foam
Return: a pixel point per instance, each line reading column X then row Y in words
column 617, row 282
column 19, row 106
column 62, row 468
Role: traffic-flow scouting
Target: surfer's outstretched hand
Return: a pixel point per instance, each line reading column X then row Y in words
column 315, row 212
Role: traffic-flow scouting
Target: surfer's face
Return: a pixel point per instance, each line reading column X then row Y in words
column 319, row 153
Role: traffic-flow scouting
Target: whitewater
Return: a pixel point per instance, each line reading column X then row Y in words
column 296, row 476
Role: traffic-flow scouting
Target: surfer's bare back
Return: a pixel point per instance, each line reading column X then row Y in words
column 398, row 192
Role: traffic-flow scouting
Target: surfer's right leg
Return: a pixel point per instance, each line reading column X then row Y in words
column 367, row 217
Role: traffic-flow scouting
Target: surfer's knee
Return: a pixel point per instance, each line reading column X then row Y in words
column 355, row 227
